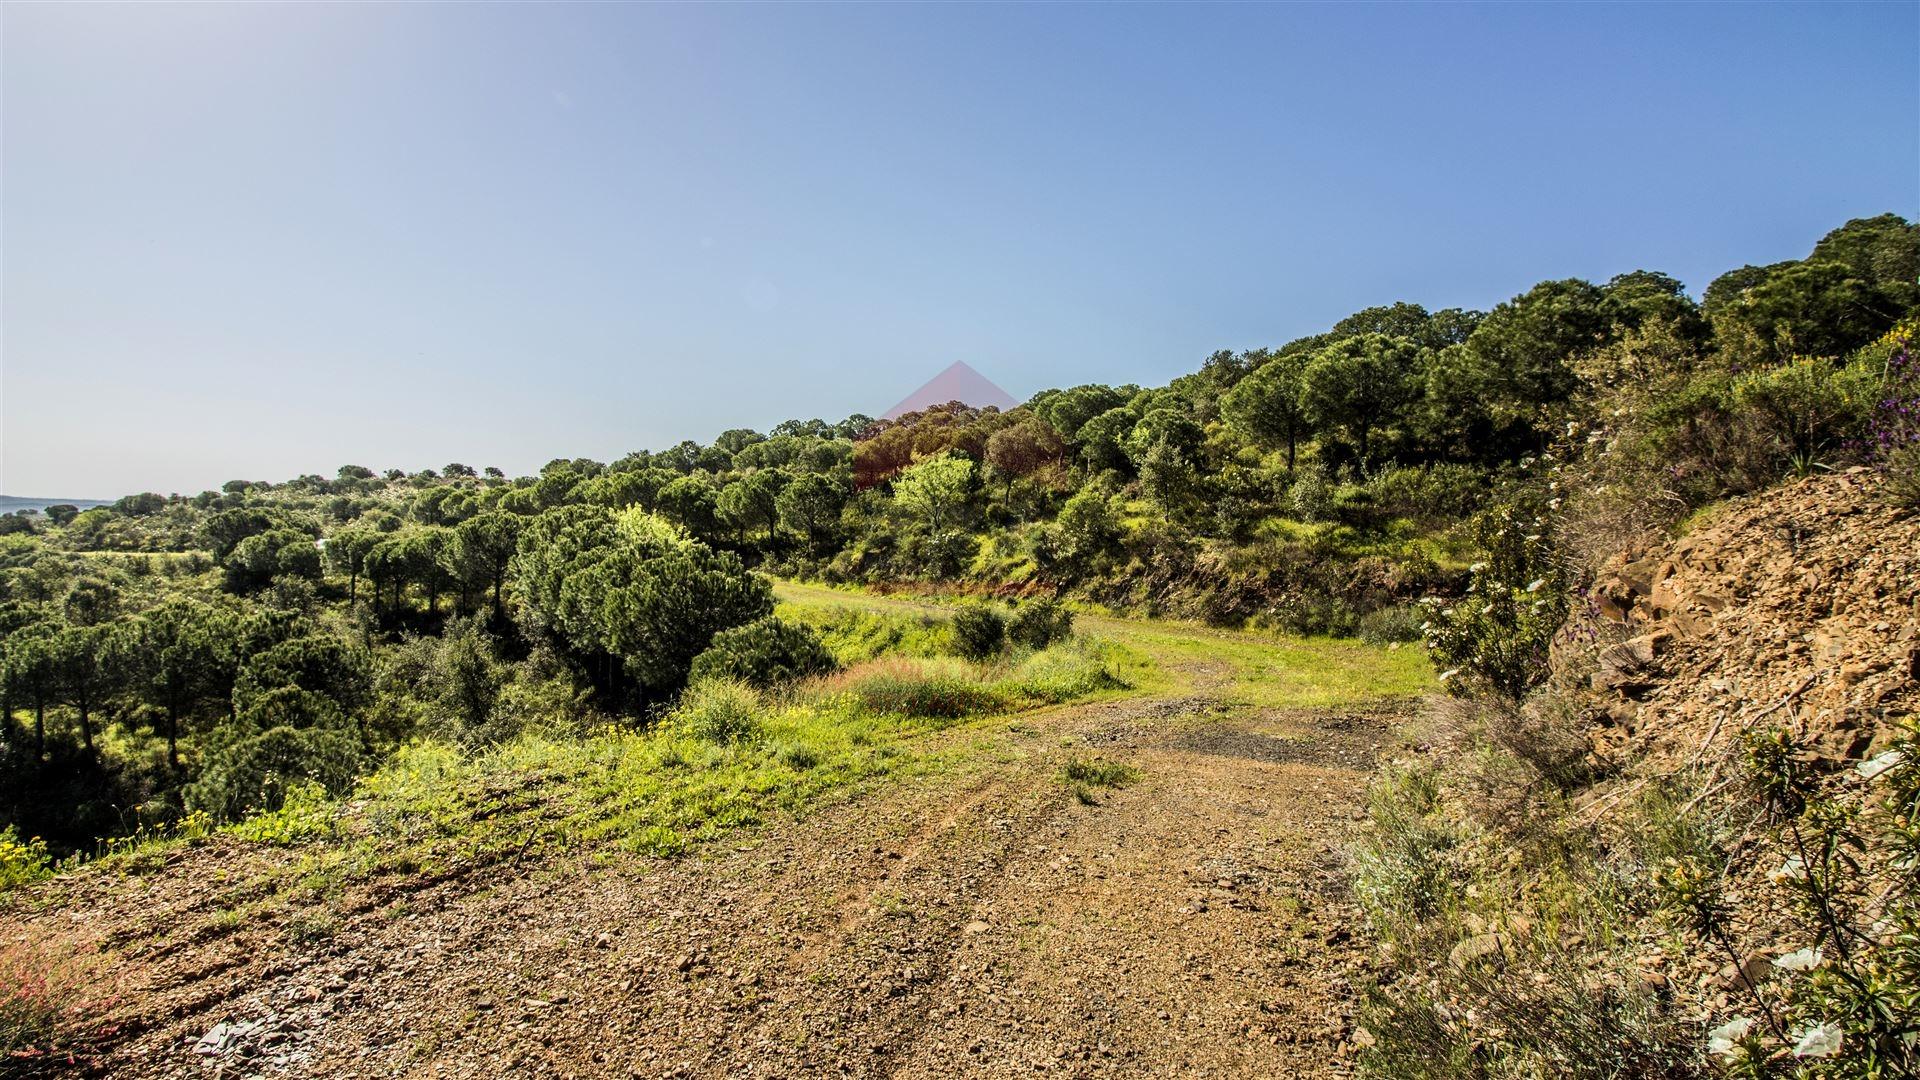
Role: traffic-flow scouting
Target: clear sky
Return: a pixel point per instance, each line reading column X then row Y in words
column 263, row 240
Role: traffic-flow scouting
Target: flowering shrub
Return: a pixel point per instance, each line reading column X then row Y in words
column 1496, row 637
column 50, row 1003
column 1894, row 433
column 1896, row 415
column 1847, row 1002
column 22, row 861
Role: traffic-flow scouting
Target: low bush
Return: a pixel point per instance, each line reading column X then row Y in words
column 306, row 814
column 1808, row 408
column 1512, row 948
column 979, row 632
column 1431, row 493
column 1902, row 470
column 1099, row 772
column 1039, row 623
column 1077, row 669
column 764, row 653
column 1731, row 433
column 22, row 861
column 1391, row 624
column 1402, row 867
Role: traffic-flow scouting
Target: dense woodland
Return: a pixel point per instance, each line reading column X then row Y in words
column 168, row 654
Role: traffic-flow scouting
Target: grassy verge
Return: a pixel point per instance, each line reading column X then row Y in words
column 1252, row 668
column 727, row 757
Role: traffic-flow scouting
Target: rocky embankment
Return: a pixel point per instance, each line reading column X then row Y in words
column 1797, row 607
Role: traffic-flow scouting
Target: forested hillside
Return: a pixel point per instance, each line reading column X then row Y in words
column 170, row 654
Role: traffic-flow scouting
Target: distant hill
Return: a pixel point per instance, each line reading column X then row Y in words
column 958, row 383
column 11, row 503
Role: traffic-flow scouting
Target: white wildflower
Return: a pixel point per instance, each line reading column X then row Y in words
column 1723, row 1039
column 1536, row 584
column 1802, row 960
column 1818, row 1042
column 1450, row 673
column 1476, row 568
column 1873, row 767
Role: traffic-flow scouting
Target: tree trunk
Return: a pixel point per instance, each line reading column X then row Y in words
column 353, row 586
column 173, row 739
column 86, row 727
column 1290, row 449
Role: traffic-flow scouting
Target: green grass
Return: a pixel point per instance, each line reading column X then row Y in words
column 1098, row 772
column 1162, row 656
column 857, row 634
column 726, row 758
column 1083, row 775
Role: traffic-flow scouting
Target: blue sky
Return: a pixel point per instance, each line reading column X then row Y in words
column 262, row 240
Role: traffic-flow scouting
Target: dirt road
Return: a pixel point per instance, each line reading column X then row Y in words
column 976, row 920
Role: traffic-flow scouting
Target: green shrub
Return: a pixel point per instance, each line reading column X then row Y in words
column 1402, row 866
column 1431, row 493
column 1039, row 623
column 798, row 755
column 1064, row 673
column 466, row 681
column 854, row 636
column 1902, row 470
column 1808, row 407
column 764, row 653
column 1723, row 434
column 306, row 813
column 979, row 632
column 1312, row 494
column 718, row 711
column 1387, row 625
column 284, row 737
column 1082, row 776
column 1496, row 638
column 22, row 861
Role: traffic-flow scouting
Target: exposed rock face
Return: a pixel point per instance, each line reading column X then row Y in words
column 1799, row 607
